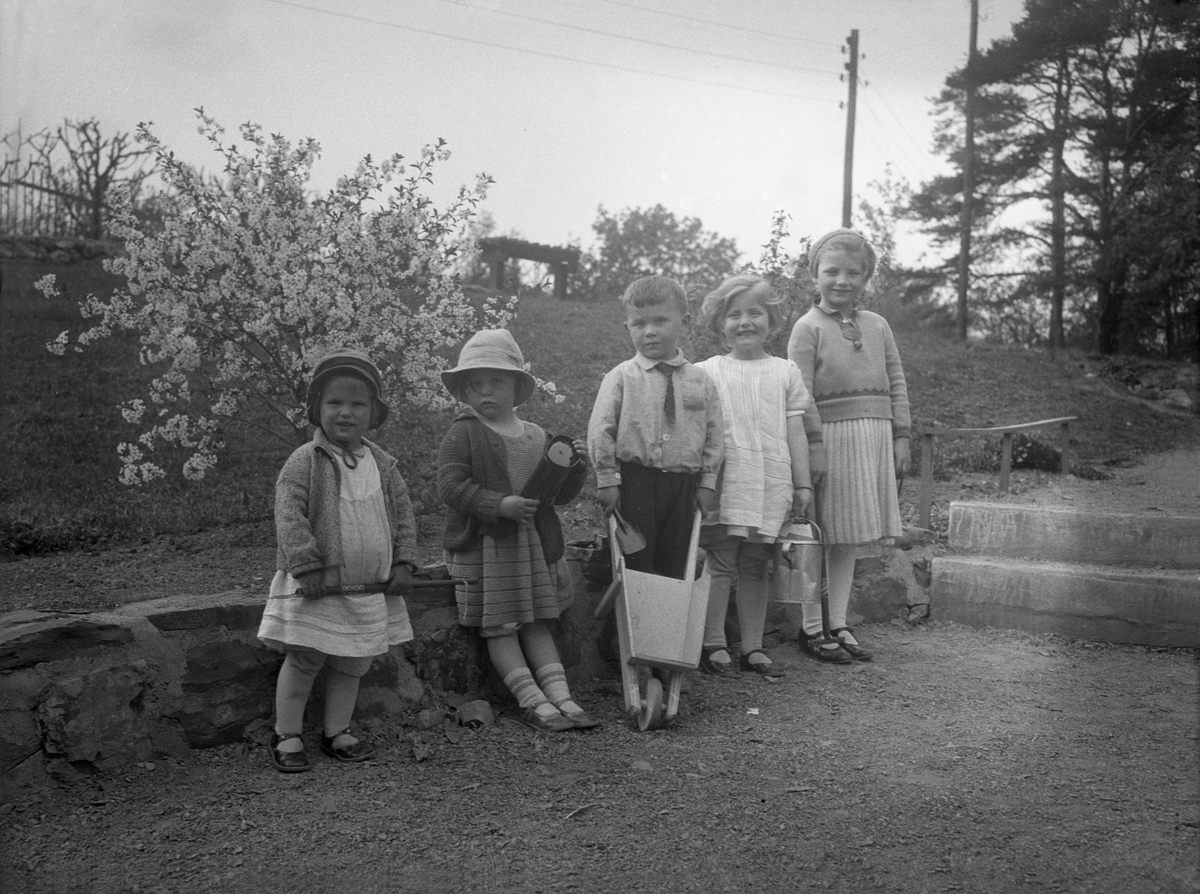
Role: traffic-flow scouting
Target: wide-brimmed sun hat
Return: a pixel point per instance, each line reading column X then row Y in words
column 345, row 361
column 491, row 349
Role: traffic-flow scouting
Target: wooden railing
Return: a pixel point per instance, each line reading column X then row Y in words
column 1006, row 443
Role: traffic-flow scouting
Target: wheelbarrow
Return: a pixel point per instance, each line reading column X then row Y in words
column 660, row 628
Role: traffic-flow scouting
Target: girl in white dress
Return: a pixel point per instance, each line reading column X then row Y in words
column 765, row 480
column 343, row 519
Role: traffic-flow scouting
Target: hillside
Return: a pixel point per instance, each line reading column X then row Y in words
column 74, row 530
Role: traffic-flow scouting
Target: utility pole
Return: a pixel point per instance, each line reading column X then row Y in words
column 968, row 191
column 848, row 164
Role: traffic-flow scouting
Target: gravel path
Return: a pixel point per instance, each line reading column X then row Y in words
column 958, row 761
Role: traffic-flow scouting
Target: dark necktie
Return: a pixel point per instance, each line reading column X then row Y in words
column 669, row 401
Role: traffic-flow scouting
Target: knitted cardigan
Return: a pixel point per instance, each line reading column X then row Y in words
column 307, row 524
column 473, row 479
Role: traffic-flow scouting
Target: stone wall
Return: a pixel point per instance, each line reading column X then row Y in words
column 49, row 250
column 100, row 691
column 97, row 692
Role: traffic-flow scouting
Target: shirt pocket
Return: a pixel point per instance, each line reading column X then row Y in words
column 694, row 396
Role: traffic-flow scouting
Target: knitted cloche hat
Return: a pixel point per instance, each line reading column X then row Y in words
column 849, row 240
column 347, row 362
column 491, row 349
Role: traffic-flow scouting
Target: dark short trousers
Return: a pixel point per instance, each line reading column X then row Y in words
column 661, row 505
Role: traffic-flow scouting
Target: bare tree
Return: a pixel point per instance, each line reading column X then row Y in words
column 76, row 163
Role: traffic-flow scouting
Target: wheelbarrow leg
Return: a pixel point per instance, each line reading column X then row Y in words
column 629, row 674
column 674, row 686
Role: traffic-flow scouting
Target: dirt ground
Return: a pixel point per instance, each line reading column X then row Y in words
column 960, row 760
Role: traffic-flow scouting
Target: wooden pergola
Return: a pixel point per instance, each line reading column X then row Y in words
column 497, row 250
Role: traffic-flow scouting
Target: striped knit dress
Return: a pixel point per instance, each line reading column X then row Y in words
column 515, row 584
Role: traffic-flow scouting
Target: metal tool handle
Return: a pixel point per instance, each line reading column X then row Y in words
column 368, row 589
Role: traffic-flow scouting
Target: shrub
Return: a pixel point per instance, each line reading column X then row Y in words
column 248, row 280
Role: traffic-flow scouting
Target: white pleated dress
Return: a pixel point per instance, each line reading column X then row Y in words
column 858, row 501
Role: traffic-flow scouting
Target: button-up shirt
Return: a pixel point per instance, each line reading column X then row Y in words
column 628, row 423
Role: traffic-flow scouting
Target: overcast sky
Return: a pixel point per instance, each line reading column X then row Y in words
column 725, row 110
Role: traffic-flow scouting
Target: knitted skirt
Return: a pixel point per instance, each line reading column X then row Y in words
column 858, row 499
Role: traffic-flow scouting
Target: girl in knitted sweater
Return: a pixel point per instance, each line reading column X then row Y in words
column 858, row 429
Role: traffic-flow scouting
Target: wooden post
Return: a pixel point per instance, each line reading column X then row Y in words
column 560, row 281
column 926, row 499
column 848, row 161
column 1066, row 464
column 1005, row 460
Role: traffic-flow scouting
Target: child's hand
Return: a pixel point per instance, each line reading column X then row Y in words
column 802, row 502
column 400, row 581
column 817, row 464
column 313, row 584
column 518, row 508
column 580, row 448
column 706, row 499
column 900, row 452
column 608, row 498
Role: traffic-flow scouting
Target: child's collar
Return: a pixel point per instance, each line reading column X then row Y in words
column 646, row 363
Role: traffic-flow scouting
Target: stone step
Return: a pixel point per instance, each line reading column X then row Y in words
column 1068, row 535
column 1089, row 602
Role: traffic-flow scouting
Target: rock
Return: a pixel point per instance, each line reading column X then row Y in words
column 97, row 717
column 429, row 718
column 234, row 610
column 29, row 638
column 475, row 714
column 1177, row 397
column 226, row 685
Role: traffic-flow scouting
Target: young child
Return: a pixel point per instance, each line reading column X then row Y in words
column 512, row 546
column 656, row 436
column 342, row 519
column 765, row 480
column 858, row 430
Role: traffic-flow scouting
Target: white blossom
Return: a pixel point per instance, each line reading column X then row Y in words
column 246, row 283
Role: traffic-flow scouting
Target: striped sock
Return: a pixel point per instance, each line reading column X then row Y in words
column 553, row 680
column 521, row 684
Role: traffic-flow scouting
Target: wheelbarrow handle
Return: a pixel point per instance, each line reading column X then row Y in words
column 604, row 606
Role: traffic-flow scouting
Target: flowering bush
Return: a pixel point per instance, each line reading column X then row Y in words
column 247, row 280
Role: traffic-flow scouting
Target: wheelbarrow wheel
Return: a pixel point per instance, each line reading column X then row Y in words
column 651, row 712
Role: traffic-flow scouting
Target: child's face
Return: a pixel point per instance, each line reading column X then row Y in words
column 656, row 329
column 346, row 405
column 747, row 325
column 490, row 393
column 841, row 278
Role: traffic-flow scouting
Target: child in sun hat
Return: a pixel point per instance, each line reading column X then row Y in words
column 343, row 519
column 511, row 547
column 764, row 482
column 858, row 428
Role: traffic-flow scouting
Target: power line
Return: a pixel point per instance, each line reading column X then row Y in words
column 890, row 149
column 903, row 129
column 650, row 43
column 676, row 15
column 557, row 56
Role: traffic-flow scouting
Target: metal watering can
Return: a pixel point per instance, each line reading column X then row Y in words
column 798, row 563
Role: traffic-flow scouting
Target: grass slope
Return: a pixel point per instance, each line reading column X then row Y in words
column 61, row 415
